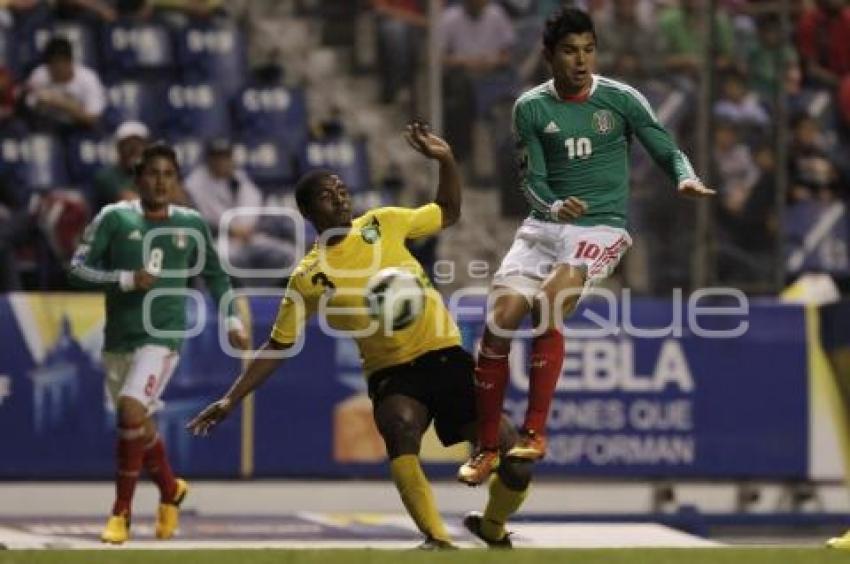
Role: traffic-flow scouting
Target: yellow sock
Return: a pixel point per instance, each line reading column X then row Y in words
column 502, row 503
column 417, row 496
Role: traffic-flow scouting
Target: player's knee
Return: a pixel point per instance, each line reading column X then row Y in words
column 515, row 474
column 402, row 436
column 131, row 413
column 551, row 309
column 495, row 346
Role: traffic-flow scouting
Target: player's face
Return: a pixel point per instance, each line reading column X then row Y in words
column 573, row 60
column 331, row 206
column 157, row 183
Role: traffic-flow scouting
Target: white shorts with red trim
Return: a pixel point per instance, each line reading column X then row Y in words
column 541, row 245
column 141, row 374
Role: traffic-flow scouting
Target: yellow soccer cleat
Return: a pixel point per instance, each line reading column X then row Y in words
column 841, row 543
column 168, row 514
column 117, row 530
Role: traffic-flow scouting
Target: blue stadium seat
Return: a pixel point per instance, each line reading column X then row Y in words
column 136, row 101
column 214, row 54
column 36, row 161
column 136, row 50
column 196, row 110
column 190, row 152
column 272, row 111
column 266, row 161
column 347, row 157
column 87, row 154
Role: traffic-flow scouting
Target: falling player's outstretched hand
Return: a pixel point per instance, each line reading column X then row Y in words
column 212, row 415
column 694, row 188
column 423, row 141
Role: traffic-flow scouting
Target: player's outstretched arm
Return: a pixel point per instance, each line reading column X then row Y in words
column 448, row 191
column 258, row 370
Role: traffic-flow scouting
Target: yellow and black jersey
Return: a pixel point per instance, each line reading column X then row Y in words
column 331, row 281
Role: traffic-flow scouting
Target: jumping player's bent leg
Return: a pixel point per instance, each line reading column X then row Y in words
column 556, row 299
column 491, row 381
column 402, row 421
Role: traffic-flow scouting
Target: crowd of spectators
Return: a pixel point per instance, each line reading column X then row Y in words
column 490, row 53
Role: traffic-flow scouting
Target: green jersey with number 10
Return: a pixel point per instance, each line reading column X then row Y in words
column 121, row 240
column 581, row 148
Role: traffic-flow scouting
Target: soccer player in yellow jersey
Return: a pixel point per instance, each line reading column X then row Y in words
column 415, row 375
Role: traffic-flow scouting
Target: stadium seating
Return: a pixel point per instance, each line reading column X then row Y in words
column 86, row 154
column 347, row 157
column 213, row 54
column 136, row 51
column 196, row 110
column 267, row 161
column 37, row 161
column 272, row 111
column 136, row 101
column 190, row 152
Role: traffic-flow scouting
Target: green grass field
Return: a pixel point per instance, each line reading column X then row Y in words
column 637, row 556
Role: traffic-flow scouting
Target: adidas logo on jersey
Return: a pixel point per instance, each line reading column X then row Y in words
column 135, row 235
column 552, row 128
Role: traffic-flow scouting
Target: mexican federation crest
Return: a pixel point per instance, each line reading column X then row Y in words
column 603, row 122
column 371, row 232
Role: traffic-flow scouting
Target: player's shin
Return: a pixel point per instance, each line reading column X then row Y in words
column 502, row 502
column 417, row 496
column 547, row 359
column 130, row 453
column 157, row 465
column 491, row 380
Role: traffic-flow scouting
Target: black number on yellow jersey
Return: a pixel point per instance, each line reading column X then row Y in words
column 320, row 278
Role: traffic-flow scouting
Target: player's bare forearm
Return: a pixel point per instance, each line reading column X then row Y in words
column 264, row 363
column 258, row 370
column 448, row 196
column 448, row 192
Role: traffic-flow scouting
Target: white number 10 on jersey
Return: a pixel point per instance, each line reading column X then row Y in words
column 578, row 148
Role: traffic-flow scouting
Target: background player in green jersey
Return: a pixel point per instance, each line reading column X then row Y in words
column 130, row 249
column 573, row 133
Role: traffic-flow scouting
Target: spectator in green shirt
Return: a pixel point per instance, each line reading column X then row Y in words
column 684, row 39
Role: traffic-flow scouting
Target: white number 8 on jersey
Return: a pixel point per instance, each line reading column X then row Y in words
column 154, row 265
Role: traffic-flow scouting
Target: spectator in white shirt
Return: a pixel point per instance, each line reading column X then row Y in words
column 62, row 93
column 217, row 186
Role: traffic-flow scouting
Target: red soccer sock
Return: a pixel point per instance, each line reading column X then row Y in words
column 156, row 463
column 491, row 379
column 130, row 451
column 547, row 358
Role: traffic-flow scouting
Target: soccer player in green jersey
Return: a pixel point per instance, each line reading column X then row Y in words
column 141, row 253
column 573, row 133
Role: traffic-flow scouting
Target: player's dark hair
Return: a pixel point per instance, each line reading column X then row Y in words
column 152, row 151
column 306, row 187
column 58, row 48
column 563, row 22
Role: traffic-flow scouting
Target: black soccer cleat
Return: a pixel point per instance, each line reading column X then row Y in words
column 472, row 521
